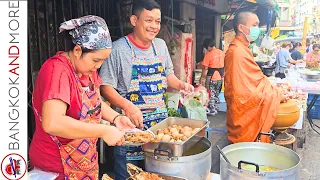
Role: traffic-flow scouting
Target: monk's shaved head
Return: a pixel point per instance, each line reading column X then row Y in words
column 244, row 18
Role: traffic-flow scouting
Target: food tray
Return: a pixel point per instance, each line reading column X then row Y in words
column 133, row 144
column 162, row 176
column 176, row 149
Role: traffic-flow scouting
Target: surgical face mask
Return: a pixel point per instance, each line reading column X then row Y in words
column 254, row 33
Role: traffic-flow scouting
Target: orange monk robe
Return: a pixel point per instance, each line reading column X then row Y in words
column 252, row 101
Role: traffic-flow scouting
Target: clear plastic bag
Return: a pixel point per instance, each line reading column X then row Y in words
column 37, row 174
column 194, row 105
column 267, row 42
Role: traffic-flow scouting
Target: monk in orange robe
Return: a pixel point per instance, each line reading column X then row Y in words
column 252, row 101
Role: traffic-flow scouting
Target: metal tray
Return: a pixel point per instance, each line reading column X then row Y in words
column 311, row 77
column 132, row 144
column 176, row 149
column 162, row 176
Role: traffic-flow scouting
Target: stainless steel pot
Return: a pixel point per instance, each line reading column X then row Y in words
column 194, row 164
column 261, row 154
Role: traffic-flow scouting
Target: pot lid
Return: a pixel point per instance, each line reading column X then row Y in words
column 288, row 107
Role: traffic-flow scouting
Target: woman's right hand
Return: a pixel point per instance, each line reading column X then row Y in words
column 113, row 136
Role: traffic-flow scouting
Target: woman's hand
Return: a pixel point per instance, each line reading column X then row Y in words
column 134, row 114
column 123, row 123
column 113, row 136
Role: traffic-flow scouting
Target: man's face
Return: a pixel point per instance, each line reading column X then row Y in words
column 147, row 24
column 316, row 50
column 251, row 21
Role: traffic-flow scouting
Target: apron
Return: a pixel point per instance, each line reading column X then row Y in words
column 148, row 83
column 80, row 157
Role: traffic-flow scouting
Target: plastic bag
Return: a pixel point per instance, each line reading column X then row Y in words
column 194, row 110
column 200, row 93
column 267, row 42
column 194, row 105
column 37, row 174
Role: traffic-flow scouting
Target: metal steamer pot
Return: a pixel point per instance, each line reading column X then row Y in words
column 258, row 155
column 194, row 164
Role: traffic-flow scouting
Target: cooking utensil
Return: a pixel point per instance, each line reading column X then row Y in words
column 223, row 155
column 177, row 148
column 268, row 70
column 135, row 144
column 310, row 75
column 288, row 114
column 270, row 155
column 194, row 164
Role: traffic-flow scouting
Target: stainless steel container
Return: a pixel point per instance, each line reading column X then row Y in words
column 262, row 154
column 177, row 148
column 311, row 76
column 195, row 164
column 163, row 177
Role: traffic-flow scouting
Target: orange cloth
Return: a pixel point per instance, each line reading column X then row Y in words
column 214, row 59
column 252, row 101
column 313, row 57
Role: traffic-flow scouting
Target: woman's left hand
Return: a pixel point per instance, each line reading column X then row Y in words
column 123, row 123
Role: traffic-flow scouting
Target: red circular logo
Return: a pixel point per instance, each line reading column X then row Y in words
column 13, row 166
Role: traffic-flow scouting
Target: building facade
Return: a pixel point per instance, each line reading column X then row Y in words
column 316, row 17
column 305, row 8
column 286, row 14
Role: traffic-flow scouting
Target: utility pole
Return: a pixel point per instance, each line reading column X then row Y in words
column 304, row 36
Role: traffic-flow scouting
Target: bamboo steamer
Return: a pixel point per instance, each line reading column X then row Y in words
column 288, row 114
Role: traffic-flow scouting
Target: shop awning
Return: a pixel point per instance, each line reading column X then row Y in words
column 260, row 7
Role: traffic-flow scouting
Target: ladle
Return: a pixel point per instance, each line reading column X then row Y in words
column 223, row 155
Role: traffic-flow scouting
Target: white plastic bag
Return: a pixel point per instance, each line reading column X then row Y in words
column 267, row 42
column 37, row 174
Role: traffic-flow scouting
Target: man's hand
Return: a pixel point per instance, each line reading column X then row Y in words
column 134, row 114
column 123, row 123
column 186, row 87
column 203, row 82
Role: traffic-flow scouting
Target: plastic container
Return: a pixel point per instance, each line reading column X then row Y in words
column 315, row 111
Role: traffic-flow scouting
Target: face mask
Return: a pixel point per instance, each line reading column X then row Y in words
column 254, row 33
